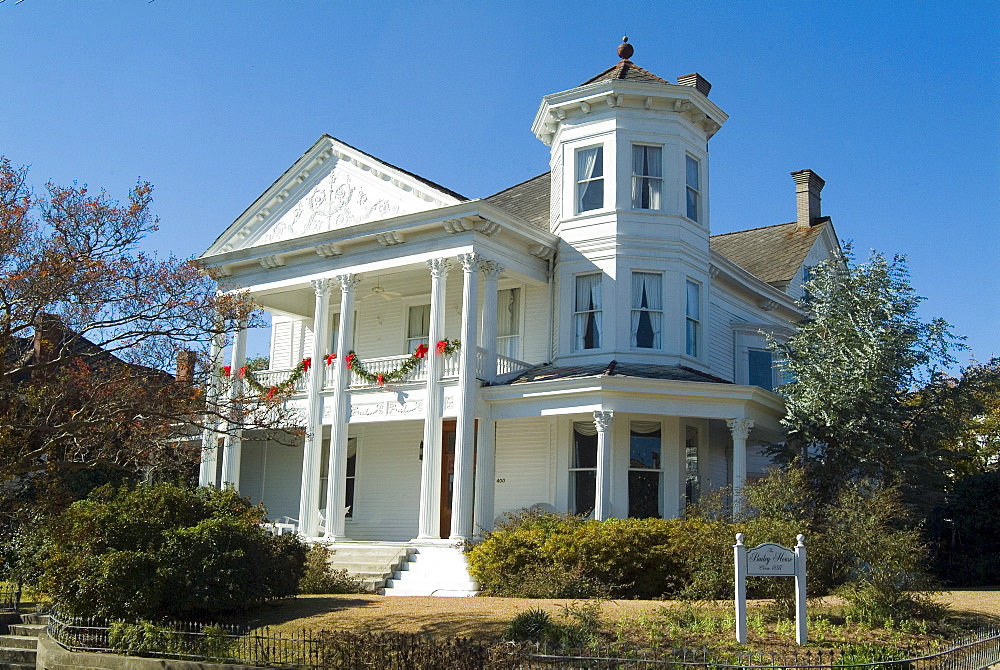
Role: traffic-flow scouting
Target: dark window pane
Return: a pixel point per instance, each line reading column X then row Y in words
column 584, row 450
column 584, row 491
column 644, row 494
column 349, row 502
column 645, row 450
column 593, row 195
column 761, row 369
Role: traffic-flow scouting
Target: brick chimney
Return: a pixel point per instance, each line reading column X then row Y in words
column 697, row 81
column 46, row 339
column 185, row 367
column 808, row 186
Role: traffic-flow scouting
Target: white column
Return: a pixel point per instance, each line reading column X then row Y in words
column 491, row 271
column 234, row 440
column 465, row 434
column 673, row 467
column 311, row 454
column 210, row 436
column 741, row 431
column 485, row 475
column 336, row 491
column 603, row 421
column 429, row 524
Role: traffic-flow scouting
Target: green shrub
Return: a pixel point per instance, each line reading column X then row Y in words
column 163, row 551
column 531, row 625
column 319, row 577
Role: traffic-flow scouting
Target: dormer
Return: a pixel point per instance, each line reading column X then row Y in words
column 628, row 140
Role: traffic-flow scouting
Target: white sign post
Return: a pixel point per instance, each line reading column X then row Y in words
column 770, row 560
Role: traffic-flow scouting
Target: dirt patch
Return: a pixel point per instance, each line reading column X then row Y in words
column 487, row 617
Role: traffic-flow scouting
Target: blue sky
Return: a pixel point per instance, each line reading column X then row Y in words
column 893, row 103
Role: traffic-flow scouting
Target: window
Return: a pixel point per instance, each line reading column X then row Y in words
column 587, row 315
column 334, row 332
column 692, row 480
column 647, row 176
column 583, row 469
column 589, row 179
column 761, row 369
column 693, row 188
column 324, row 476
column 509, row 322
column 645, row 470
column 693, row 312
column 647, row 309
column 418, row 326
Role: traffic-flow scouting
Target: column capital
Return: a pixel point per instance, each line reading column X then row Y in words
column 603, row 420
column 439, row 266
column 492, row 270
column 322, row 286
column 348, row 282
column 471, row 262
column 740, row 428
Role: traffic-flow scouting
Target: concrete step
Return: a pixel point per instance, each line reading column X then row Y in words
column 17, row 666
column 18, row 642
column 35, row 618
column 27, row 629
column 15, row 655
column 433, row 571
column 372, row 564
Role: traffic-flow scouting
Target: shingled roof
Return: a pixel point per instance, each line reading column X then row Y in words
column 625, row 70
column 528, row 200
column 615, row 369
column 772, row 253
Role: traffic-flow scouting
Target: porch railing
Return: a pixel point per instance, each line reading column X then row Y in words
column 268, row 378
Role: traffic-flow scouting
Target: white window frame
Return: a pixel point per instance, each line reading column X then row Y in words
column 639, row 180
column 518, row 338
column 694, row 323
column 581, row 182
column 598, row 312
column 573, row 469
column 655, row 315
column 693, row 190
column 408, row 302
column 750, row 336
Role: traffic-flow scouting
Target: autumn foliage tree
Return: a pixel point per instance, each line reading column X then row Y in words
column 88, row 325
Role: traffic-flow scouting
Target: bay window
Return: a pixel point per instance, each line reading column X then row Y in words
column 589, row 179
column 647, row 310
column 693, row 179
column 587, row 313
column 583, row 468
column 693, row 314
column 645, row 470
column 647, row 176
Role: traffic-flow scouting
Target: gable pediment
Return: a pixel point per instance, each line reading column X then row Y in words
column 332, row 186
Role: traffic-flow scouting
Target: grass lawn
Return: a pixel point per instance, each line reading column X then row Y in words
column 643, row 621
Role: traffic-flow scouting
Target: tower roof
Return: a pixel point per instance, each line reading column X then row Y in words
column 625, row 69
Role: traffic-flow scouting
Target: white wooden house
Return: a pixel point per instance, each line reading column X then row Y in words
column 611, row 357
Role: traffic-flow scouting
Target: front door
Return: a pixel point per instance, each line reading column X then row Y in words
column 449, row 433
column 448, row 436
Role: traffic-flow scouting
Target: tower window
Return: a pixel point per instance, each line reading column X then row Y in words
column 587, row 315
column 647, row 309
column 693, row 312
column 693, row 188
column 590, row 179
column 647, row 176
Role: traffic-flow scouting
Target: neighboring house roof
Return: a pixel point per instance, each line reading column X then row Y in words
column 528, row 200
column 627, row 70
column 615, row 369
column 771, row 253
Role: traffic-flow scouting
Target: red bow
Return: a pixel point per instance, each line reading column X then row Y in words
column 421, row 351
column 243, row 371
column 350, row 361
column 380, row 380
column 227, row 370
column 442, row 345
column 330, row 359
column 306, row 363
column 271, row 392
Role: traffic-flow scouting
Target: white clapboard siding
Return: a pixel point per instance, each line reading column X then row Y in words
column 715, row 469
column 271, row 473
column 534, row 329
column 721, row 345
column 387, row 483
column 523, row 460
column 281, row 342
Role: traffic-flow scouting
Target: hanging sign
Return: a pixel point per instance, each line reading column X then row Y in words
column 770, row 560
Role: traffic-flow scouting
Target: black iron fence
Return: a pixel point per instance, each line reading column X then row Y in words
column 10, row 598
column 308, row 650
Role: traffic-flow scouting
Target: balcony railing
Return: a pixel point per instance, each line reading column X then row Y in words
column 506, row 368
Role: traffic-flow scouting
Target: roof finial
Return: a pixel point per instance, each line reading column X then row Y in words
column 625, row 49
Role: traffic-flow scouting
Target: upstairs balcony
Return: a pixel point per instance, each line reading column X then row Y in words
column 506, row 369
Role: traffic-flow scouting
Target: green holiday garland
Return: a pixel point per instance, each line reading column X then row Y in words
column 400, row 372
